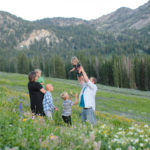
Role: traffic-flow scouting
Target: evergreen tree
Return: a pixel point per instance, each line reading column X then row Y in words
column 23, row 63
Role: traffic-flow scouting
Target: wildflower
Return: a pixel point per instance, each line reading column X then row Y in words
column 131, row 128
column 141, row 144
column 130, row 133
column 109, row 146
column 131, row 148
column 92, row 136
column 103, row 126
column 146, row 140
column 97, row 145
column 119, row 128
column 118, row 149
column 120, row 133
column 136, row 141
column 24, row 120
column 20, row 107
column 141, row 136
column 53, row 137
column 146, row 126
column 140, row 131
column 33, row 117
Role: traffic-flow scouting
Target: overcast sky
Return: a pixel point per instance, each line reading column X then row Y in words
column 85, row 9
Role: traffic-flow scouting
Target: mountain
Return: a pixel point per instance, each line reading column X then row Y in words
column 123, row 31
column 61, row 21
column 124, row 18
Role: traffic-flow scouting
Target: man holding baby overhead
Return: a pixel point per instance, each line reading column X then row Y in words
column 87, row 97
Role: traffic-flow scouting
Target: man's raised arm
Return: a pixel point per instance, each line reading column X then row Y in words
column 86, row 79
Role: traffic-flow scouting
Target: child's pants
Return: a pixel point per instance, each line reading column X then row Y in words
column 48, row 114
column 67, row 119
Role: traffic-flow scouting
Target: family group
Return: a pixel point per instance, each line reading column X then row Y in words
column 41, row 101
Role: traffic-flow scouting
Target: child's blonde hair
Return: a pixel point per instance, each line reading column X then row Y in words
column 74, row 58
column 63, row 95
column 38, row 70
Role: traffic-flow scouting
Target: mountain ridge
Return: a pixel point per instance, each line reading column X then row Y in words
column 115, row 29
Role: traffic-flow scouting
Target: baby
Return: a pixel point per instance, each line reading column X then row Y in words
column 40, row 79
column 76, row 66
column 67, row 103
column 48, row 105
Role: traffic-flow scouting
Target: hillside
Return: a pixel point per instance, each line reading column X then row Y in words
column 113, row 129
column 108, row 34
column 125, row 18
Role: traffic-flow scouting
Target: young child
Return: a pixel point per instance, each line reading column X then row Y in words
column 76, row 66
column 48, row 105
column 40, row 79
column 67, row 103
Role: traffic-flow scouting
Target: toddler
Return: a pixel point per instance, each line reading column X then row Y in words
column 40, row 79
column 48, row 105
column 67, row 103
column 76, row 66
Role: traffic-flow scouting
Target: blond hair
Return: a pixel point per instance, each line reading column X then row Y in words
column 37, row 70
column 74, row 58
column 63, row 95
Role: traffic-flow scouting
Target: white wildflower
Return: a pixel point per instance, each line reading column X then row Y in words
column 119, row 128
column 116, row 136
column 146, row 126
column 140, row 131
column 141, row 136
column 146, row 140
column 141, row 144
column 131, row 128
column 130, row 133
column 118, row 149
column 135, row 141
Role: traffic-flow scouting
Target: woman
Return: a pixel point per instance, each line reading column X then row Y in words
column 36, row 92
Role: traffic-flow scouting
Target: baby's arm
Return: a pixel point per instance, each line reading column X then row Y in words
column 72, row 69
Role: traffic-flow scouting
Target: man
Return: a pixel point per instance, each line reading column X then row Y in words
column 87, row 97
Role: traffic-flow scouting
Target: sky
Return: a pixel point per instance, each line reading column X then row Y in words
column 85, row 9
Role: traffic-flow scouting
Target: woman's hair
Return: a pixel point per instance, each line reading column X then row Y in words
column 63, row 95
column 74, row 58
column 37, row 70
column 32, row 76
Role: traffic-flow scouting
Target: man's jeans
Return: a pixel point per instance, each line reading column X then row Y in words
column 88, row 115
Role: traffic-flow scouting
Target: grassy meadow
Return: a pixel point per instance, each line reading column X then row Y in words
column 122, row 119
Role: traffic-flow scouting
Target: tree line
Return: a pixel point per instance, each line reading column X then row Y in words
column 119, row 71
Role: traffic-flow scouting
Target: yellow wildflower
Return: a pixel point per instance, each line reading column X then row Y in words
column 24, row 120
column 53, row 137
